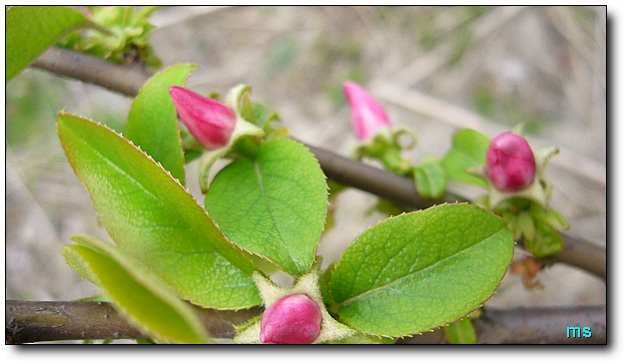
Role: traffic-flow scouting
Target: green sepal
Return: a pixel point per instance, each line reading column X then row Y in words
column 536, row 192
column 234, row 97
column 386, row 148
column 542, row 157
column 242, row 130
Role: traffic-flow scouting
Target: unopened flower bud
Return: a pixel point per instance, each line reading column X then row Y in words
column 367, row 115
column 209, row 121
column 294, row 319
column 510, row 162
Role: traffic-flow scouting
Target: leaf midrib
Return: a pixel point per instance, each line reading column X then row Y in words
column 283, row 245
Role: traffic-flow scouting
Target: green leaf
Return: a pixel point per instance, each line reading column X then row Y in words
column 274, row 206
column 469, row 149
column 551, row 217
column 265, row 118
column 142, row 297
column 141, row 16
column 526, row 224
column 461, row 332
column 152, row 122
column 30, row 30
column 363, row 339
column 421, row 270
column 430, row 178
column 154, row 219
column 546, row 240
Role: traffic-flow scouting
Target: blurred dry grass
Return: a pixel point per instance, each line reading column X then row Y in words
column 435, row 69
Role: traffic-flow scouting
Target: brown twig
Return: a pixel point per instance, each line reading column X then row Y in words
column 545, row 325
column 583, row 254
column 36, row 321
column 576, row 252
column 128, row 80
column 384, row 184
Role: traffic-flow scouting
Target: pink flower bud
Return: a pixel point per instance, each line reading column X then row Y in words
column 294, row 319
column 510, row 162
column 209, row 121
column 367, row 116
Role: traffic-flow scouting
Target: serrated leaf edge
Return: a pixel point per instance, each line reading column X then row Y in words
column 336, row 264
column 179, row 137
column 234, row 246
column 324, row 224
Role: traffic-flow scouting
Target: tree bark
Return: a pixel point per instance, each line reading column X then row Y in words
column 37, row 321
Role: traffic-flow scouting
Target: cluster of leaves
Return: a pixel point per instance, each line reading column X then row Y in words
column 115, row 33
column 121, row 35
column 408, row 274
column 405, row 275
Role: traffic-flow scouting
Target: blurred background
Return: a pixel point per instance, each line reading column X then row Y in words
column 435, row 69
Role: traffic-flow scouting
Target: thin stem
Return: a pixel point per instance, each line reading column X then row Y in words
column 401, row 190
column 576, row 252
column 127, row 80
column 384, row 184
column 36, row 321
